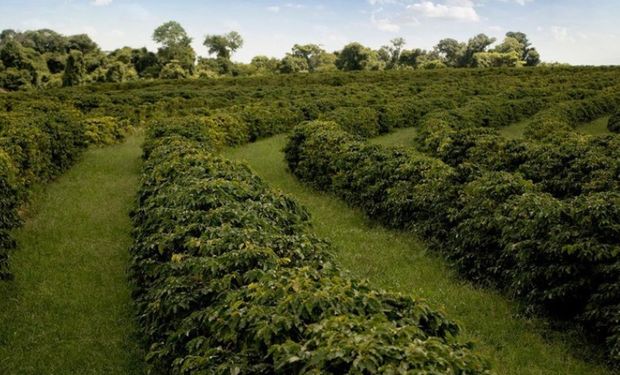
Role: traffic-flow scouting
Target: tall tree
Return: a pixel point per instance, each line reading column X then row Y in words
column 355, row 56
column 223, row 46
column 74, row 70
column 391, row 54
column 451, row 51
column 309, row 52
column 176, row 46
column 477, row 44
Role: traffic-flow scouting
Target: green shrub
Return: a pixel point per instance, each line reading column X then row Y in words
column 558, row 256
column 228, row 280
column 613, row 124
column 105, row 130
column 362, row 121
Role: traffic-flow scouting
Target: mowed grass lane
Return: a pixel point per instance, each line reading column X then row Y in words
column 398, row 261
column 69, row 309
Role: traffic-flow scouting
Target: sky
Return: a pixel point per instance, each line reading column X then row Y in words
column 579, row 32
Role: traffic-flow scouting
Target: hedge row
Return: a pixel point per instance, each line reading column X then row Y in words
column 565, row 165
column 562, row 257
column 564, row 116
column 229, row 280
column 613, row 125
column 38, row 142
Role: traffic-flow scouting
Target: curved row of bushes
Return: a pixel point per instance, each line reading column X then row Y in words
column 564, row 116
column 565, row 166
column 229, row 280
column 562, row 257
column 38, row 141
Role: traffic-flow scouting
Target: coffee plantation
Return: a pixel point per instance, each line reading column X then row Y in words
column 227, row 273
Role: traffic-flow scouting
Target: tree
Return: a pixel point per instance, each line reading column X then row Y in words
column 497, row 59
column 411, row 57
column 223, row 45
column 12, row 54
column 451, row 51
column 309, row 52
column 15, row 79
column 264, row 64
column 521, row 37
column 292, row 64
column 477, row 44
column 145, row 62
column 355, row 56
column 510, row 44
column 120, row 72
column 176, row 45
column 82, row 43
column 44, row 41
column 6, row 36
column 527, row 53
column 327, row 62
column 171, row 34
column 74, row 70
column 173, row 70
column 390, row 55
column 532, row 58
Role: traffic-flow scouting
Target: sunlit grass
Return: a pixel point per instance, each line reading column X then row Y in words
column 398, row 261
column 596, row 127
column 69, row 309
column 399, row 137
column 514, row 131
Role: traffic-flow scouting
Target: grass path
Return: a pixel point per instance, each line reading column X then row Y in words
column 595, row 127
column 69, row 309
column 398, row 261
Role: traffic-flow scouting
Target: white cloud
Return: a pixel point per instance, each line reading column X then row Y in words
column 561, row 34
column 521, row 2
column 101, row 2
column 462, row 10
column 381, row 2
column 384, row 24
column 273, row 9
column 294, row 6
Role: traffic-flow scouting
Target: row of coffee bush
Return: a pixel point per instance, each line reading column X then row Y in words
column 228, row 279
column 509, row 92
column 564, row 116
column 38, row 141
column 565, row 165
column 613, row 124
column 561, row 257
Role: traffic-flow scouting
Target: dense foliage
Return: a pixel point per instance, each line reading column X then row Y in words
column 38, row 141
column 560, row 256
column 462, row 187
column 614, row 123
column 44, row 58
column 229, row 280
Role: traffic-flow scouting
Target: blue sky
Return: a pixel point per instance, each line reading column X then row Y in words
column 573, row 31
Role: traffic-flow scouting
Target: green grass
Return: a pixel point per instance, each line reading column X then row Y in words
column 514, row 131
column 596, row 127
column 69, row 309
column 398, row 137
column 398, row 261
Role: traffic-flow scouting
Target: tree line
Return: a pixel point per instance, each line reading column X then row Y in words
column 45, row 58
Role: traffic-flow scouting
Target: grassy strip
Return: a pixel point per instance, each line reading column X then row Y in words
column 69, row 309
column 399, row 137
column 596, row 127
column 397, row 261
